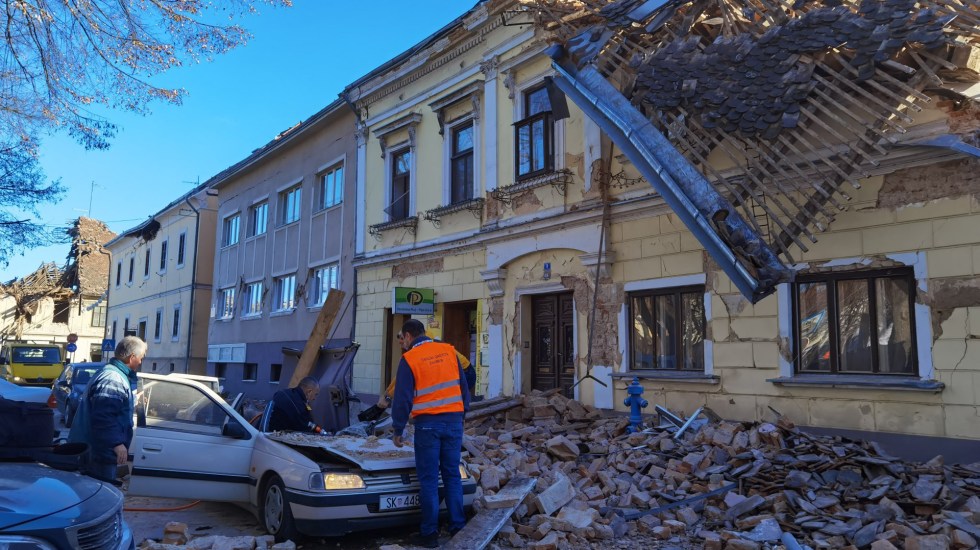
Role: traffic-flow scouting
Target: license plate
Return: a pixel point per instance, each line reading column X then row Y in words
column 399, row 502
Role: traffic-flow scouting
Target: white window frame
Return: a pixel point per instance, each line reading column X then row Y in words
column 283, row 302
column 224, row 310
column 282, row 199
column 250, row 232
column 339, row 164
column 412, row 184
column 249, row 300
column 318, row 295
column 625, row 324
column 226, row 234
column 447, row 155
column 164, row 252
column 175, row 319
column 181, row 244
column 158, row 325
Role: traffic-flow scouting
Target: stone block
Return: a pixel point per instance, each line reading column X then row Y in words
column 579, row 519
column 638, row 270
column 897, row 238
column 962, row 421
column 236, row 543
column 556, row 496
column 881, row 544
column 909, row 418
column 846, row 244
column 685, row 263
column 740, row 544
column 175, row 532
column 927, row 542
column 660, row 245
column 733, row 354
column 956, row 261
column 957, row 230
column 838, row 413
column 961, row 540
column 638, row 229
column 561, row 447
column 755, row 328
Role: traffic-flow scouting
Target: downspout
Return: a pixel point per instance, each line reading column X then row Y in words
column 190, row 321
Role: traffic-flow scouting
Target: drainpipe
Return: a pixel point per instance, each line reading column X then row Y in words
column 190, row 321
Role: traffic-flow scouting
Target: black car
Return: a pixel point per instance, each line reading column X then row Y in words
column 70, row 386
column 42, row 508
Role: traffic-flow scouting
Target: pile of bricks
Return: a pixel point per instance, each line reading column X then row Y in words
column 726, row 486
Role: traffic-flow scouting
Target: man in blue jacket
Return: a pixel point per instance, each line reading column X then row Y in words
column 431, row 388
column 292, row 409
column 105, row 415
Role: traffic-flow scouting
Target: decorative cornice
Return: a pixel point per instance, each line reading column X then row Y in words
column 410, row 121
column 489, row 67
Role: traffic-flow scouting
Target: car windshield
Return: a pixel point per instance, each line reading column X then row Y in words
column 82, row 375
column 36, row 355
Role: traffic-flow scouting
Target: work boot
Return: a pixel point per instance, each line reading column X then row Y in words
column 426, row 541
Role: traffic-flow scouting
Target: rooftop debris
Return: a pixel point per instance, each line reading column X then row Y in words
column 726, row 485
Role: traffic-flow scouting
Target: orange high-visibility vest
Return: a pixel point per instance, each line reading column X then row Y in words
column 436, row 373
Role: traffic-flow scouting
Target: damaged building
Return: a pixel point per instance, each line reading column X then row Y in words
column 53, row 302
column 742, row 205
column 160, row 283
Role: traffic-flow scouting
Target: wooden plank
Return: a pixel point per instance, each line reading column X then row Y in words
column 500, row 407
column 480, row 530
column 328, row 313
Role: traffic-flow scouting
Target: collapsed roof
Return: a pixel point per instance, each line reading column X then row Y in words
column 750, row 116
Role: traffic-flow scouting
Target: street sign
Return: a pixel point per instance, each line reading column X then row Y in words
column 71, row 347
column 108, row 344
column 72, row 338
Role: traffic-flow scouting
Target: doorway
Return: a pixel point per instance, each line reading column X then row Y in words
column 553, row 343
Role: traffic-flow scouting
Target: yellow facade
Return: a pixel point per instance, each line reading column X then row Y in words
column 558, row 238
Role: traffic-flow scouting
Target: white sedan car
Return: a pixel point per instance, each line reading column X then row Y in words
column 189, row 443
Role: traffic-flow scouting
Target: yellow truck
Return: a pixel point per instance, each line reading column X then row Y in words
column 31, row 364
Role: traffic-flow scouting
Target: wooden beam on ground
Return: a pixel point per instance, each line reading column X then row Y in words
column 318, row 336
column 500, row 407
column 480, row 530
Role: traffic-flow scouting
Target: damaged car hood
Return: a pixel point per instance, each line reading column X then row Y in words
column 372, row 454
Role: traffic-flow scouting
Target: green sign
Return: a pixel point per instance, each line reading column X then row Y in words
column 413, row 301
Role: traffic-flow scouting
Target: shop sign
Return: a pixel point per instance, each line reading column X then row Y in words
column 413, row 301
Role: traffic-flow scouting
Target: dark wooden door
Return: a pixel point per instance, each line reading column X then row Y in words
column 553, row 343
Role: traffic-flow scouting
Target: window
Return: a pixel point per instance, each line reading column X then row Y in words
column 158, row 325
column 401, row 180
column 126, row 327
column 226, row 303
column 275, row 373
column 253, row 299
column 113, row 330
column 285, row 293
column 258, row 219
column 667, row 329
column 146, row 264
column 332, row 187
column 289, row 205
column 141, row 329
column 250, row 372
column 229, row 230
column 179, row 408
column 118, row 273
column 98, row 316
column 181, row 248
column 132, row 265
column 533, row 135
column 324, row 279
column 175, row 327
column 220, row 369
column 855, row 323
column 163, row 256
column 461, row 163
column 172, row 367
column 62, row 311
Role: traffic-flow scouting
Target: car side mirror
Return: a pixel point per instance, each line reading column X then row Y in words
column 234, row 430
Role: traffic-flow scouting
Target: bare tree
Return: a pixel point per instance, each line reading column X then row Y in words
column 64, row 62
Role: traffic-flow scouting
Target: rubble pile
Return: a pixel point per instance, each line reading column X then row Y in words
column 176, row 536
column 727, row 485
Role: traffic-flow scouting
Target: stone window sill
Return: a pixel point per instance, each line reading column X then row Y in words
column 669, row 376
column 860, row 382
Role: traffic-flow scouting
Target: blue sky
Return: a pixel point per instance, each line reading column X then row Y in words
column 297, row 62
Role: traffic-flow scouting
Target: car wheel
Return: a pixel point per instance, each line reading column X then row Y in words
column 277, row 518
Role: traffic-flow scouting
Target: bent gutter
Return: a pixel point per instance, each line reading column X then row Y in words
column 684, row 189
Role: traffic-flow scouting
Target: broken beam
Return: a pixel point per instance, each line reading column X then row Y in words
column 325, row 320
column 480, row 530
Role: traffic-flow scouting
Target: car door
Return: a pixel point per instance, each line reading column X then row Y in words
column 189, row 443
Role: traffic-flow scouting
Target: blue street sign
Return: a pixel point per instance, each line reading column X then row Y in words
column 108, row 344
column 71, row 347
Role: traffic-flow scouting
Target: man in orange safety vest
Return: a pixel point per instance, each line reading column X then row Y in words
column 430, row 385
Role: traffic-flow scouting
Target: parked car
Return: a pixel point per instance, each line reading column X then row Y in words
column 29, row 363
column 30, row 394
column 48, row 509
column 191, row 444
column 69, row 387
